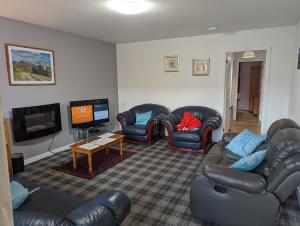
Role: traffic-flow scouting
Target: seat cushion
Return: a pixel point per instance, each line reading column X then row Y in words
column 138, row 130
column 52, row 202
column 187, row 136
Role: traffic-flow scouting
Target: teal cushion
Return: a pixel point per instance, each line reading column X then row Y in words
column 250, row 162
column 19, row 194
column 142, row 118
column 245, row 143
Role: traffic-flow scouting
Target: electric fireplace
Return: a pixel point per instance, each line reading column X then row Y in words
column 37, row 121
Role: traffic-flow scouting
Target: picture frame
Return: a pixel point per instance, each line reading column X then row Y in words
column 171, row 63
column 201, row 67
column 298, row 66
column 29, row 66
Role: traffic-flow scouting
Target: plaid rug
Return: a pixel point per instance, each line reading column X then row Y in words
column 156, row 179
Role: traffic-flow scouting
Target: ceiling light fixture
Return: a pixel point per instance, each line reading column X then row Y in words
column 129, row 7
column 212, row 28
column 248, row 54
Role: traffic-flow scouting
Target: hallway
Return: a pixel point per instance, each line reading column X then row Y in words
column 245, row 120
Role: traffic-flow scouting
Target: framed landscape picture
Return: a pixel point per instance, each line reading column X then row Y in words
column 29, row 65
column 200, row 67
column 171, row 63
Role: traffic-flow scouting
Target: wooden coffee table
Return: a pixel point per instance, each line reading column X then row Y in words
column 75, row 148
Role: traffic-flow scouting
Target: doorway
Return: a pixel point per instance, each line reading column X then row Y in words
column 244, row 78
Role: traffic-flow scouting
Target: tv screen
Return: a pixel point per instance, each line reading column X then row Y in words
column 37, row 121
column 89, row 113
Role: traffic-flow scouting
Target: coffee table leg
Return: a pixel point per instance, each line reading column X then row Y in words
column 90, row 161
column 74, row 160
column 121, row 148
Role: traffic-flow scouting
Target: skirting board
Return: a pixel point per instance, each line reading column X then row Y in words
column 57, row 150
column 46, row 154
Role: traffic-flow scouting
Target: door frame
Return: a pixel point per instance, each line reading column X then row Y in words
column 266, row 67
column 6, row 214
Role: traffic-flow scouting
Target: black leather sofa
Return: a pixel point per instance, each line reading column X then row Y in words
column 50, row 207
column 226, row 196
column 142, row 134
column 201, row 139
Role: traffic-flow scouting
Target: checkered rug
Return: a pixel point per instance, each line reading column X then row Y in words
column 156, row 179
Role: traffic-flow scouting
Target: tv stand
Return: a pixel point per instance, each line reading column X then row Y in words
column 93, row 130
column 84, row 133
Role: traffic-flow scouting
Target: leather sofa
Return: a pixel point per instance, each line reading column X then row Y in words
column 50, row 207
column 142, row 134
column 227, row 196
column 199, row 140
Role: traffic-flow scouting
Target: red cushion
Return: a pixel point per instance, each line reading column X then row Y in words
column 189, row 122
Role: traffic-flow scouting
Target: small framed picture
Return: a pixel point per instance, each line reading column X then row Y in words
column 29, row 65
column 171, row 63
column 200, row 67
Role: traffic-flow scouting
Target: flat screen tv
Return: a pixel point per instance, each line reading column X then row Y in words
column 89, row 113
column 37, row 121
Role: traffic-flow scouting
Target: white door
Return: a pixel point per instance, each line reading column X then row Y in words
column 228, row 92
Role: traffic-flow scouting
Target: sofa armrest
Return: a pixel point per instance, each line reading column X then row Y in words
column 170, row 121
column 214, row 122
column 126, row 118
column 90, row 215
column 117, row 202
column 156, row 120
column 24, row 218
column 229, row 177
column 227, row 137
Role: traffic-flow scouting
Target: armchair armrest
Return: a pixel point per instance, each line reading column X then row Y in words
column 110, row 208
column 90, row 215
column 227, row 137
column 126, row 118
column 229, row 177
column 170, row 121
column 156, row 119
column 117, row 202
column 214, row 122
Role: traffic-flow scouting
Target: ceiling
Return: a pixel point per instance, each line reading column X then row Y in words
column 167, row 19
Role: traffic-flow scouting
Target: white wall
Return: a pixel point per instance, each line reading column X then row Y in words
column 85, row 69
column 295, row 91
column 141, row 76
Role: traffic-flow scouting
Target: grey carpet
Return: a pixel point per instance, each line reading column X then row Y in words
column 156, row 179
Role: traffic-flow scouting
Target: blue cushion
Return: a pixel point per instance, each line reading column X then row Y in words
column 245, row 143
column 250, row 162
column 19, row 194
column 142, row 118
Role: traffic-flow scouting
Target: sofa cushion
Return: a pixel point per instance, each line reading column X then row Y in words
column 142, row 118
column 250, row 162
column 19, row 194
column 138, row 130
column 230, row 155
column 189, row 122
column 187, row 136
column 52, row 201
column 245, row 143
